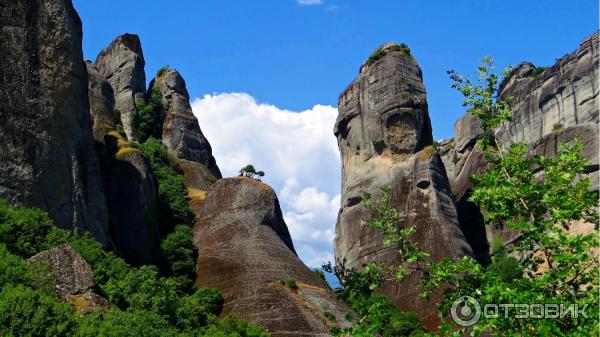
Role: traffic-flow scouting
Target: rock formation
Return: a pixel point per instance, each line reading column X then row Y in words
column 384, row 135
column 102, row 103
column 181, row 131
column 245, row 250
column 132, row 193
column 122, row 64
column 72, row 274
column 47, row 156
column 551, row 106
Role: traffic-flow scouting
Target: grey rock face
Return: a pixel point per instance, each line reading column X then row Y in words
column 102, row 103
column 132, row 193
column 47, row 156
column 122, row 64
column 71, row 272
column 384, row 135
column 181, row 131
column 558, row 105
column 245, row 250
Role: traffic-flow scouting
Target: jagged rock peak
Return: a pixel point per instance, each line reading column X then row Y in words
column 122, row 63
column 388, row 48
column 102, row 103
column 181, row 131
column 385, row 139
column 245, row 250
column 47, row 157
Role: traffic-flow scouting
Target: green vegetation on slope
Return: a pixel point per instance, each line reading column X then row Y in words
column 144, row 302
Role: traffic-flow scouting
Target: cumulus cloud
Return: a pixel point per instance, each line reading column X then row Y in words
column 297, row 151
column 310, row 2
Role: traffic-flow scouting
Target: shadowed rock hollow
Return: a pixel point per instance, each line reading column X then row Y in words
column 384, row 136
column 245, row 250
column 47, row 156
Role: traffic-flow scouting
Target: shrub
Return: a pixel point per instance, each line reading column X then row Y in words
column 380, row 53
column 163, row 70
column 290, row 283
column 27, row 312
column 23, row 230
column 199, row 309
column 537, row 70
column 179, row 250
column 148, row 120
column 13, row 269
column 233, row 327
column 117, row 323
column 557, row 126
column 320, row 274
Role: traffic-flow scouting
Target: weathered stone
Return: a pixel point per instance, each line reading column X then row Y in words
column 563, row 95
column 47, row 156
column 181, row 131
column 122, row 64
column 132, row 193
column 384, row 135
column 102, row 103
column 88, row 302
column 70, row 271
column 245, row 250
column 553, row 107
column 467, row 130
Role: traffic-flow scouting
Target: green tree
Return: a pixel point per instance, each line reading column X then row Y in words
column 199, row 309
column 179, row 250
column 539, row 196
column 23, row 230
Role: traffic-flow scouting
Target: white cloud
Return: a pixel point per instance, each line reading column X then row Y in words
column 297, row 151
column 310, row 2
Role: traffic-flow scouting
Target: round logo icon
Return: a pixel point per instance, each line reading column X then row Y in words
column 465, row 311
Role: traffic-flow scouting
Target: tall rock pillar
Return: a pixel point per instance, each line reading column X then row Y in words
column 384, row 135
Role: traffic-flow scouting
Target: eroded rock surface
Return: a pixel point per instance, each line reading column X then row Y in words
column 47, row 156
column 122, row 64
column 384, row 135
column 551, row 106
column 71, row 272
column 181, row 131
column 132, row 193
column 102, row 103
column 245, row 250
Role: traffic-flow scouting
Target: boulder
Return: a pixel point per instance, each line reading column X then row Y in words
column 384, row 136
column 47, row 157
column 245, row 250
column 72, row 274
column 88, row 302
column 122, row 64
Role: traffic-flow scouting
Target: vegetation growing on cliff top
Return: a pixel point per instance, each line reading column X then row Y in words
column 380, row 53
column 144, row 302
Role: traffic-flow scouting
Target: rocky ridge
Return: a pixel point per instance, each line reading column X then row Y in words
column 550, row 106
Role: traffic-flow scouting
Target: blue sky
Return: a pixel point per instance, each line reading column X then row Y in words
column 264, row 75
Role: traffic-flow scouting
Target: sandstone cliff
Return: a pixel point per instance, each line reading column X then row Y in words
column 122, row 64
column 551, row 106
column 47, row 156
column 384, row 135
column 245, row 250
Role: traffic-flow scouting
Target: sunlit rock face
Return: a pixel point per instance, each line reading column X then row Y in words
column 245, row 250
column 122, row 64
column 550, row 107
column 47, row 157
column 384, row 136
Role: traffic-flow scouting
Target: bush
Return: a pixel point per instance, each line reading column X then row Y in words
column 27, row 312
column 13, row 269
column 148, row 120
column 320, row 274
column 117, row 323
column 233, row 327
column 199, row 309
column 537, row 70
column 179, row 250
column 290, row 283
column 23, row 230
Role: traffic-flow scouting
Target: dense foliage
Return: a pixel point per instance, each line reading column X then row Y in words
column 541, row 197
column 143, row 301
column 147, row 121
